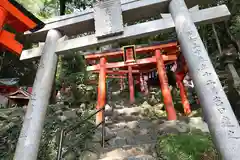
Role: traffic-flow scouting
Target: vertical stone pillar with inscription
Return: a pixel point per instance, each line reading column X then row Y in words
column 221, row 120
column 30, row 136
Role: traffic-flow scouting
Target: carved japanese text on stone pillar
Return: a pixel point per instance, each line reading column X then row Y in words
column 108, row 18
column 212, row 85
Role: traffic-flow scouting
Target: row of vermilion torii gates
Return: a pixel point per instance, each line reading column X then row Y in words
column 158, row 56
column 107, row 21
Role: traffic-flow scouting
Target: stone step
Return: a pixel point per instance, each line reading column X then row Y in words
column 124, row 129
column 130, row 152
column 181, row 125
column 122, row 106
column 142, row 157
column 129, row 111
column 126, row 115
column 131, row 140
column 124, row 111
column 138, row 123
column 120, row 141
column 110, row 120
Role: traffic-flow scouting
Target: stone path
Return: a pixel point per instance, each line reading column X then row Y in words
column 129, row 135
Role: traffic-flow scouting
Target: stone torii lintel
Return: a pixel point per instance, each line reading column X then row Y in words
column 204, row 16
column 82, row 22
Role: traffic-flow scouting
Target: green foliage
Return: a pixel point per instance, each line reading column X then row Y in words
column 71, row 70
column 82, row 3
column 74, row 140
column 11, row 123
column 33, row 6
column 11, row 67
column 186, row 146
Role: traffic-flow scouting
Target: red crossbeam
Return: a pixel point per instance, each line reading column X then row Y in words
column 117, row 77
column 123, row 72
column 118, row 72
column 166, row 47
column 138, row 62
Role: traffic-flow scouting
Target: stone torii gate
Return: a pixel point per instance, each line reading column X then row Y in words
column 115, row 20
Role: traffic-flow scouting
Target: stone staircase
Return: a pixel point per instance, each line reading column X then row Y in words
column 131, row 135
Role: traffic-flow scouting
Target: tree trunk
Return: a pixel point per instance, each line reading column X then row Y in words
column 59, row 66
column 217, row 39
column 2, row 60
column 235, row 76
column 230, row 67
column 204, row 38
column 233, row 39
column 62, row 7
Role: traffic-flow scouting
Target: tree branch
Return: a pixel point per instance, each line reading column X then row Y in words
column 233, row 39
column 62, row 7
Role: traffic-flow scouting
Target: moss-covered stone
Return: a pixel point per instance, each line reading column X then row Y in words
column 186, row 146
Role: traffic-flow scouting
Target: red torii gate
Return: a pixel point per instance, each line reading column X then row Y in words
column 158, row 56
column 17, row 17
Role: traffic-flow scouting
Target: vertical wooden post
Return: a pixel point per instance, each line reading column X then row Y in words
column 185, row 102
column 167, row 97
column 131, row 85
column 101, row 101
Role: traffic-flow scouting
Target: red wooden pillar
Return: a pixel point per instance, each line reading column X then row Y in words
column 101, row 101
column 131, row 85
column 185, row 102
column 167, row 97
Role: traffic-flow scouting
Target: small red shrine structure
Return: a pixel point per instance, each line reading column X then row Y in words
column 16, row 95
column 20, row 97
column 157, row 57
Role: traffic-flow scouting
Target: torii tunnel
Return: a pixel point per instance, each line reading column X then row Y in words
column 158, row 56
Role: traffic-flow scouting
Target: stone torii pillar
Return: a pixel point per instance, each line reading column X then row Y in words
column 30, row 136
column 221, row 120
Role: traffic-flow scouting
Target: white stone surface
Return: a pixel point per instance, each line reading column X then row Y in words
column 82, row 22
column 132, row 32
column 108, row 18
